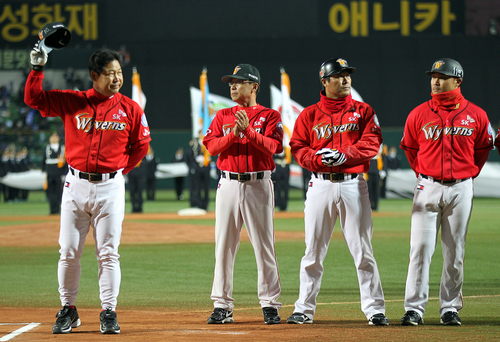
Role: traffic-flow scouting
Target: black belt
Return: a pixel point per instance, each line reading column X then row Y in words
column 243, row 177
column 335, row 177
column 93, row 177
column 444, row 182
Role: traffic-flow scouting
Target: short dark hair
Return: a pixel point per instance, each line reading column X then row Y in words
column 101, row 58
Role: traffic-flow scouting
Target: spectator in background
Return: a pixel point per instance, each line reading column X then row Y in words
column 179, row 181
column 373, row 179
column 281, row 179
column 23, row 163
column 69, row 76
column 306, row 176
column 136, row 182
column 55, row 168
column 3, row 173
column 383, row 172
column 9, row 161
column 393, row 160
column 199, row 175
column 151, row 163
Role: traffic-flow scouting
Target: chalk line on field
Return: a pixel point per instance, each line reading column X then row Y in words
column 19, row 331
column 212, row 332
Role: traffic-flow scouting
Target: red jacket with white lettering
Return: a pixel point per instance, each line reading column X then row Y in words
column 102, row 134
column 447, row 145
column 354, row 131
column 253, row 150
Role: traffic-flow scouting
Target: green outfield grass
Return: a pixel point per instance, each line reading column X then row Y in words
column 179, row 276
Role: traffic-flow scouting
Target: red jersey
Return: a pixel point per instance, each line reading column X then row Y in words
column 102, row 134
column 254, row 148
column 354, row 131
column 447, row 145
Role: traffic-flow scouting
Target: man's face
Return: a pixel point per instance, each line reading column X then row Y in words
column 441, row 83
column 110, row 80
column 337, row 86
column 54, row 139
column 241, row 90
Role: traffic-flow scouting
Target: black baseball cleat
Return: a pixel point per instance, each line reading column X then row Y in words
column 67, row 319
column 298, row 318
column 411, row 318
column 451, row 318
column 220, row 316
column 271, row 315
column 378, row 319
column 109, row 323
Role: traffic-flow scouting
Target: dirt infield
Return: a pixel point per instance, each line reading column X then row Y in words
column 137, row 325
column 44, row 231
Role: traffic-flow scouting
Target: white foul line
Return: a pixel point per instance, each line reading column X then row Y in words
column 19, row 331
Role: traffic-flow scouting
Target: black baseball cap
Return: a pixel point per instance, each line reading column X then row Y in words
column 334, row 66
column 243, row 72
column 54, row 36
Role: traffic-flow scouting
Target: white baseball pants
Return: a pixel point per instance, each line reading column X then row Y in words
column 325, row 200
column 449, row 207
column 102, row 206
column 251, row 203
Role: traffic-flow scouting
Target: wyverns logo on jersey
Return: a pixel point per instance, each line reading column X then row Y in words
column 434, row 132
column 325, row 131
column 227, row 128
column 86, row 123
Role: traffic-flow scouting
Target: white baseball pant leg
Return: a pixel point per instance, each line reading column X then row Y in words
column 102, row 206
column 251, row 203
column 435, row 206
column 349, row 200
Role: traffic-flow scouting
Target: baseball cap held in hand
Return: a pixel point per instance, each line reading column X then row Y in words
column 54, row 36
column 243, row 72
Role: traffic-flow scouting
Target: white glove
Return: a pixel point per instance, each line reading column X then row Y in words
column 323, row 151
column 38, row 56
column 382, row 174
column 331, row 157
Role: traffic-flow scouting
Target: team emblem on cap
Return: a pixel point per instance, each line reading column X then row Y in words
column 236, row 70
column 438, row 64
column 322, row 72
column 342, row 62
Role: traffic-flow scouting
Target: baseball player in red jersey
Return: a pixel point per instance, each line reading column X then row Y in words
column 335, row 139
column 107, row 134
column 447, row 141
column 245, row 137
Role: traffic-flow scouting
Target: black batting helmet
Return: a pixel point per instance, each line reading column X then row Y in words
column 448, row 67
column 334, row 66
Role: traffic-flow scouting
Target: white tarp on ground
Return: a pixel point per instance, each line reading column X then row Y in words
column 400, row 183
